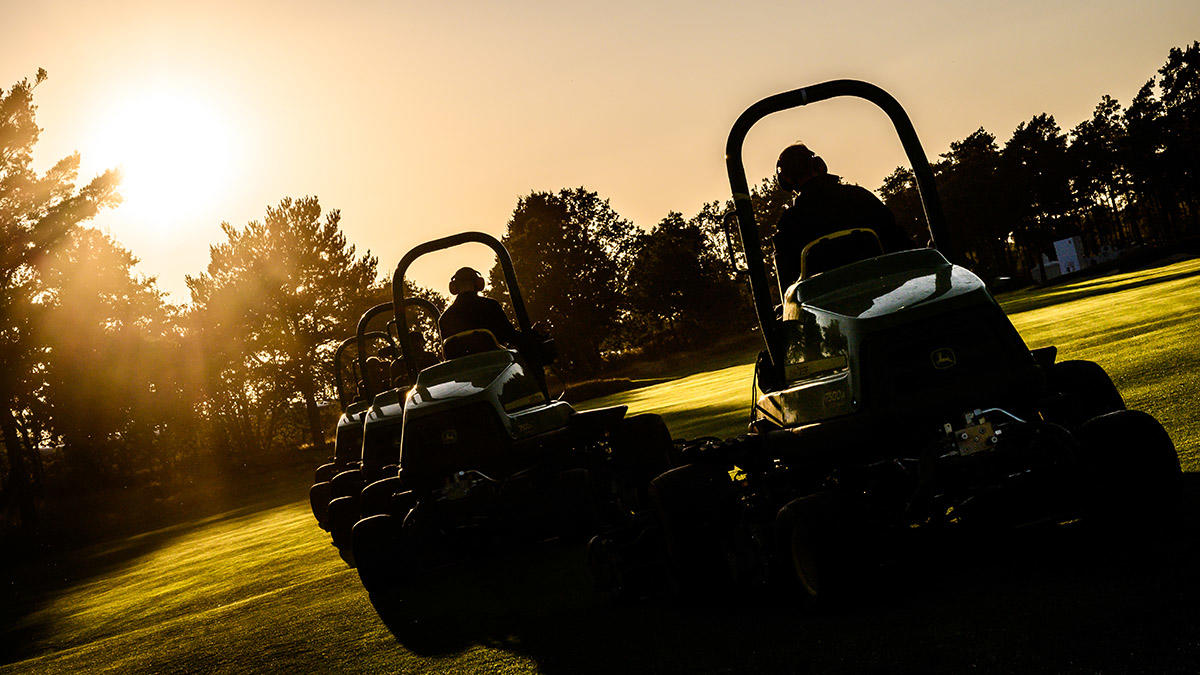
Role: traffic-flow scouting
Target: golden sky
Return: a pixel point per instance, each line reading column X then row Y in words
column 423, row 119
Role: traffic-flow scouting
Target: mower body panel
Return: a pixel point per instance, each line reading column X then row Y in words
column 872, row 335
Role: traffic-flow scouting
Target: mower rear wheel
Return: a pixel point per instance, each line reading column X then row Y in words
column 810, row 533
column 1131, row 467
column 693, row 508
column 605, row 569
column 642, row 447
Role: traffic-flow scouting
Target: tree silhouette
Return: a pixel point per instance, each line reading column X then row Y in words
column 570, row 250
column 1100, row 177
column 37, row 212
column 1035, row 169
column 1180, row 85
column 680, row 285
column 112, row 372
column 276, row 298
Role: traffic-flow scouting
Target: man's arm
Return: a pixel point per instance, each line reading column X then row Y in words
column 883, row 222
column 498, row 323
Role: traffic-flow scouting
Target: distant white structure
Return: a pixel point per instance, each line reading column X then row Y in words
column 1070, row 258
column 1069, row 252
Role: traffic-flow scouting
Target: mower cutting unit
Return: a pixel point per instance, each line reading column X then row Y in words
column 368, row 423
column 488, row 462
column 898, row 401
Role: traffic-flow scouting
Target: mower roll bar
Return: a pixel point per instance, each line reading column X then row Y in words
column 510, row 280
column 405, row 341
column 751, row 243
column 337, row 361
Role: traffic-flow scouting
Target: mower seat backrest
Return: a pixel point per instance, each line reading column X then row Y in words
column 470, row 342
column 837, row 249
column 399, row 370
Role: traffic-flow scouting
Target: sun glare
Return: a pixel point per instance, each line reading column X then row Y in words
column 175, row 151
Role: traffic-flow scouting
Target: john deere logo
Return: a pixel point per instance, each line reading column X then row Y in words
column 943, row 358
column 449, row 437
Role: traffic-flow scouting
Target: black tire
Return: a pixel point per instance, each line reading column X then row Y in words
column 319, row 496
column 376, row 547
column 604, row 569
column 376, row 498
column 642, row 447
column 1086, row 392
column 348, row 483
column 343, row 514
column 402, row 503
column 1131, row 468
column 325, row 472
column 694, row 506
column 573, row 513
column 809, row 532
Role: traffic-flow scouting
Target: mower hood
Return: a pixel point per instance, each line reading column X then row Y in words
column 460, row 378
column 902, row 283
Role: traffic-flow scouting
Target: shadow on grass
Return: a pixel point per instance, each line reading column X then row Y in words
column 1059, row 602
column 37, row 575
column 1097, row 287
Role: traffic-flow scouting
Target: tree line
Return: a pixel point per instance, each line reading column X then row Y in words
column 1128, row 176
column 104, row 382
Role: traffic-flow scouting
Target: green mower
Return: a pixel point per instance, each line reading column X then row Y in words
column 486, row 462
column 899, row 405
column 353, row 399
column 381, row 376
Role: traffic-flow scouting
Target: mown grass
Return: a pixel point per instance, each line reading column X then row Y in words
column 254, row 592
column 262, row 590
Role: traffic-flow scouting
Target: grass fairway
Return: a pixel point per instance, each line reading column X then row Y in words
column 260, row 589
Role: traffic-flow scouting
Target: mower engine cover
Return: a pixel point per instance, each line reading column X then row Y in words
column 347, row 445
column 905, row 329
column 482, row 412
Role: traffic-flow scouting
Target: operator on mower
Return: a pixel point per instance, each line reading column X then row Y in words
column 823, row 205
column 471, row 312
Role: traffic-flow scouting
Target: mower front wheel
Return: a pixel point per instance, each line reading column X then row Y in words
column 343, row 514
column 1086, row 391
column 376, row 548
column 319, row 496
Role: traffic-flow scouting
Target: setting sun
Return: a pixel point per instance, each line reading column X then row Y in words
column 175, row 151
column 581, row 337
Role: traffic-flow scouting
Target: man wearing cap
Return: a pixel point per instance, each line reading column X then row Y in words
column 823, row 205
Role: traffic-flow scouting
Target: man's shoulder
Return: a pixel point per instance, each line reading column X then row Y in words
column 855, row 188
column 485, row 300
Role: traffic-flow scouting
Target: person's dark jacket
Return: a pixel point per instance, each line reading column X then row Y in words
column 825, row 205
column 471, row 311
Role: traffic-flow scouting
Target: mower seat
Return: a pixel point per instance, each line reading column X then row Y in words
column 399, row 370
column 838, row 249
column 470, row 342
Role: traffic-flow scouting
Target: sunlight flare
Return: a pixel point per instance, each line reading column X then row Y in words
column 176, row 153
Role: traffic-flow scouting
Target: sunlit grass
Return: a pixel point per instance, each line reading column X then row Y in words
column 265, row 591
